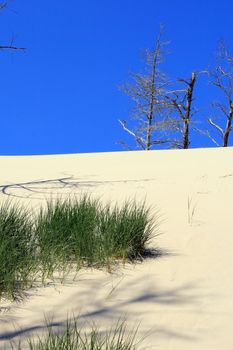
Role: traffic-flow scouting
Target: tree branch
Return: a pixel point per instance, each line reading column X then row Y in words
column 175, row 104
column 206, row 133
column 160, row 142
column 10, row 47
column 124, row 144
column 216, row 126
column 139, row 139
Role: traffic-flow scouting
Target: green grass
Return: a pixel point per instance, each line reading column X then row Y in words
column 17, row 260
column 70, row 232
column 87, row 233
column 65, row 232
column 71, row 338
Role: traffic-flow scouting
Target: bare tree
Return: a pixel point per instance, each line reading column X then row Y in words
column 147, row 91
column 222, row 78
column 10, row 46
column 180, row 105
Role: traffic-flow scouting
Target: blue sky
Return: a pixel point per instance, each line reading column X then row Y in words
column 62, row 95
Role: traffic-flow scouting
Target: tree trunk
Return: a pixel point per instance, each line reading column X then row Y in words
column 152, row 94
column 186, row 134
column 228, row 127
column 151, row 110
column 187, row 116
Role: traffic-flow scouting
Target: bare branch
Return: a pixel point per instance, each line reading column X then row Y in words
column 160, row 142
column 221, row 107
column 207, row 133
column 183, row 81
column 3, row 5
column 124, row 144
column 222, row 78
column 147, row 91
column 138, row 139
column 216, row 126
column 10, row 47
column 175, row 104
column 182, row 103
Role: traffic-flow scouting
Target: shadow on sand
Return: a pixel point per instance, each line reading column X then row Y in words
column 103, row 311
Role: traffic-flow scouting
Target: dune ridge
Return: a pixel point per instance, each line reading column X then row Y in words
column 183, row 298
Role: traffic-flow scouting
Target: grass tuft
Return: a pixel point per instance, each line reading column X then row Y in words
column 87, row 233
column 17, row 244
column 71, row 338
column 70, row 232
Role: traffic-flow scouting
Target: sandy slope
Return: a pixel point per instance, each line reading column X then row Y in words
column 183, row 299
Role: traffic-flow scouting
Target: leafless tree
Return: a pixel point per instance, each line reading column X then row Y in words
column 222, row 78
column 10, row 46
column 147, row 91
column 180, row 104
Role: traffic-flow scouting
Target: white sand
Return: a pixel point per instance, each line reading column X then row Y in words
column 184, row 299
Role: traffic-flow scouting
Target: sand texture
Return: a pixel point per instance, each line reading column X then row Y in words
column 183, row 298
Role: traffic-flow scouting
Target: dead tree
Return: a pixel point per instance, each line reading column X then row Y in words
column 10, row 46
column 222, row 78
column 147, row 91
column 180, row 104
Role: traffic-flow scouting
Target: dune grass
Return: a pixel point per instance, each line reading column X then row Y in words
column 71, row 338
column 87, row 233
column 17, row 260
column 70, row 232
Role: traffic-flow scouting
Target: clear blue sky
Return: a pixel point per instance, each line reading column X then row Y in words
column 62, row 96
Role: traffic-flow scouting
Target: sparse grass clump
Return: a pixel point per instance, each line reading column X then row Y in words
column 71, row 338
column 17, row 258
column 124, row 231
column 88, row 233
column 65, row 232
column 70, row 232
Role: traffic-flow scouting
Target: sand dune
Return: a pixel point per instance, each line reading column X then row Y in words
column 183, row 299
